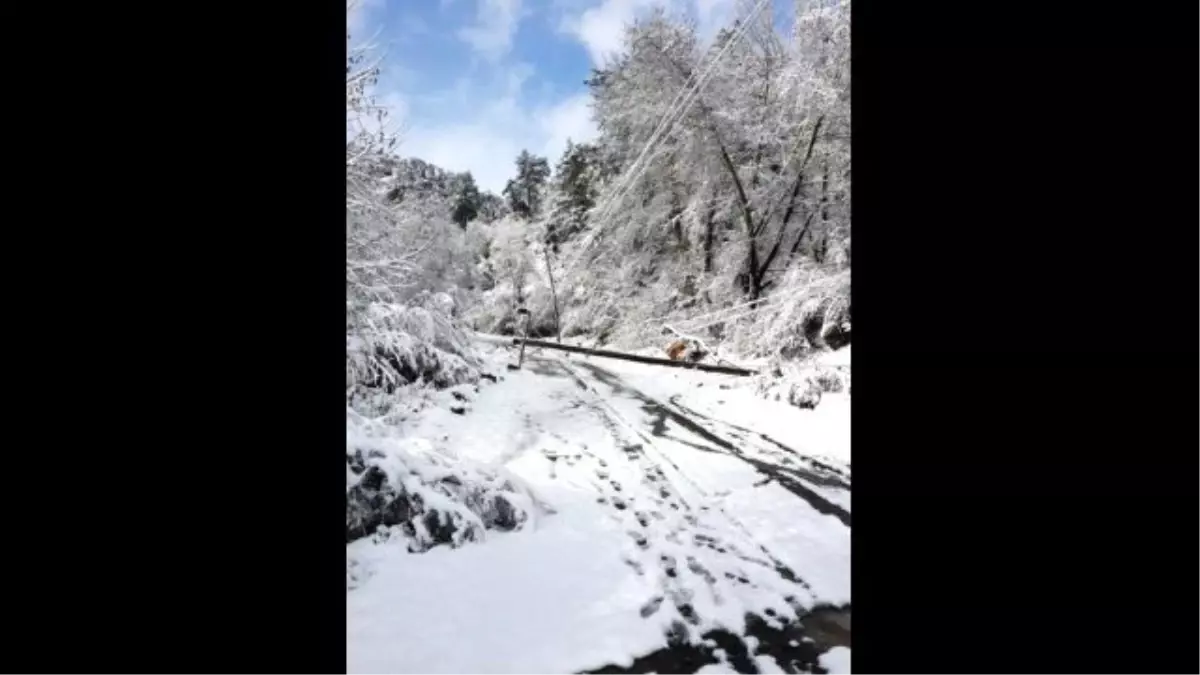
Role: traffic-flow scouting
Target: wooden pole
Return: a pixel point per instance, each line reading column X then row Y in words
column 524, row 335
column 553, row 295
column 727, row 370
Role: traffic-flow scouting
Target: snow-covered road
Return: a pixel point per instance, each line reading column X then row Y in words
column 686, row 530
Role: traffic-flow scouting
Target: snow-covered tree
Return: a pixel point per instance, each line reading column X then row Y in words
column 525, row 191
column 574, row 192
column 740, row 201
column 408, row 267
column 511, row 256
column 405, row 259
column 467, row 200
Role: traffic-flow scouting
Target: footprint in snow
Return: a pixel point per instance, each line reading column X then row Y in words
column 668, row 565
column 647, row 610
column 739, row 578
column 688, row 613
column 682, row 599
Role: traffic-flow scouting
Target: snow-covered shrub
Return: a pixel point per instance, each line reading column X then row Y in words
column 810, row 311
column 827, row 379
column 406, row 488
column 407, row 345
column 407, row 492
column 801, row 384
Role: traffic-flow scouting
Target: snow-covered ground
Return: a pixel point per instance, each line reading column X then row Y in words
column 685, row 524
column 824, row 431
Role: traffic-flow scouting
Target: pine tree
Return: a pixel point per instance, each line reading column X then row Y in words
column 574, row 192
column 467, row 201
column 525, row 191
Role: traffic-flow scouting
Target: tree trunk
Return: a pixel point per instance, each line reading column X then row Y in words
column 761, row 271
column 677, row 220
column 756, row 274
column 825, row 196
column 709, row 232
column 754, row 280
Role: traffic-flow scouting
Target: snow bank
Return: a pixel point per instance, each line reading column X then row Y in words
column 836, row 660
column 840, row 357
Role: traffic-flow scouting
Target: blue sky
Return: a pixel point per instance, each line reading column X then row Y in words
column 473, row 82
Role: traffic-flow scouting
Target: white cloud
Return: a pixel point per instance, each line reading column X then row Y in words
column 469, row 146
column 713, row 15
column 360, row 14
column 487, row 142
column 481, row 125
column 601, row 29
column 569, row 119
column 481, row 120
column 495, row 26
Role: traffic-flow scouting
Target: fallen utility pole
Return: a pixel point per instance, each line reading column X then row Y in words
column 727, row 370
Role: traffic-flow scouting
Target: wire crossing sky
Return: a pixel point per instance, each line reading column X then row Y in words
column 471, row 83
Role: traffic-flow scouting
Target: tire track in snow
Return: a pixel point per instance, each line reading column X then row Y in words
column 821, row 472
column 612, row 419
column 719, row 593
column 790, row 479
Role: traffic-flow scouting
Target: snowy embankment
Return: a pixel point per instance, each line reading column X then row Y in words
column 650, row 528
